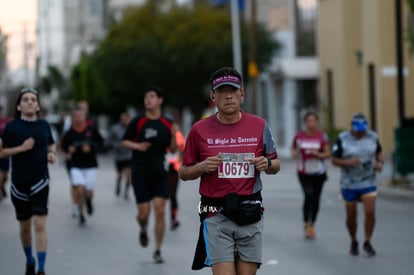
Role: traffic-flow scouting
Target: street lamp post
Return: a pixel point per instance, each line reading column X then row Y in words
column 235, row 30
column 400, row 60
column 253, row 71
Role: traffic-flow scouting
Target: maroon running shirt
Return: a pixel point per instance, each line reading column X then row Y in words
column 247, row 138
column 309, row 164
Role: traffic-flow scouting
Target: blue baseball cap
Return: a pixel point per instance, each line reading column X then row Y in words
column 359, row 123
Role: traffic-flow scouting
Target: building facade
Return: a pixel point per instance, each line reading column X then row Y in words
column 289, row 86
column 357, row 50
column 66, row 29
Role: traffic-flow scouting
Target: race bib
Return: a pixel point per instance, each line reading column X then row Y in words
column 236, row 165
column 313, row 166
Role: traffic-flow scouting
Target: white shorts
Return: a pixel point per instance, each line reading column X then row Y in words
column 83, row 176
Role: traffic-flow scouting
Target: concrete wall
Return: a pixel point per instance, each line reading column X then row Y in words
column 353, row 35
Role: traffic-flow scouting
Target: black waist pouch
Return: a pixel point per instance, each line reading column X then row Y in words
column 239, row 212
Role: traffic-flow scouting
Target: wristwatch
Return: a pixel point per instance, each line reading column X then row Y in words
column 269, row 162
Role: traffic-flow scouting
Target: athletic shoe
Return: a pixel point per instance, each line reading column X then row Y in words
column 354, row 251
column 75, row 211
column 117, row 189
column 41, row 273
column 309, row 232
column 30, row 269
column 174, row 224
column 158, row 259
column 89, row 206
column 312, row 232
column 82, row 220
column 143, row 239
column 369, row 249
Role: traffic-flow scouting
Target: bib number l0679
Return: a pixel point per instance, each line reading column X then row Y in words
column 236, row 165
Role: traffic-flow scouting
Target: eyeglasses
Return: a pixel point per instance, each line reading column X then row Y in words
column 28, row 90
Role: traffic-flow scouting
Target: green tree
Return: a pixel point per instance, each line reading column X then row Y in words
column 53, row 79
column 176, row 50
column 87, row 84
column 410, row 29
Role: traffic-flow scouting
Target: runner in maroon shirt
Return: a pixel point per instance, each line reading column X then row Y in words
column 311, row 147
column 4, row 162
column 229, row 150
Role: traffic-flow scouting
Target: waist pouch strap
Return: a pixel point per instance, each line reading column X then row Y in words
column 238, row 208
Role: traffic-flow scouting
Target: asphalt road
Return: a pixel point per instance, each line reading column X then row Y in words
column 108, row 243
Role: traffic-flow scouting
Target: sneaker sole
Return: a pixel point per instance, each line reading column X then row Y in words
column 158, row 260
column 143, row 240
column 370, row 254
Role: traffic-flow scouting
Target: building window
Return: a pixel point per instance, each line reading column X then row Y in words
column 307, row 98
column 94, row 7
column 306, row 14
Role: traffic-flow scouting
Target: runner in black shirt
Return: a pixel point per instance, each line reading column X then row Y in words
column 29, row 142
column 81, row 143
column 149, row 136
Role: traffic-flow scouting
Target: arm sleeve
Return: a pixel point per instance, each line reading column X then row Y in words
column 65, row 141
column 5, row 136
column 325, row 139
column 337, row 149
column 98, row 138
column 51, row 140
column 130, row 130
column 379, row 147
column 190, row 154
column 269, row 143
column 179, row 137
column 294, row 142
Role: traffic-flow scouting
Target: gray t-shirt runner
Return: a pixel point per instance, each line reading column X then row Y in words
column 366, row 149
column 116, row 132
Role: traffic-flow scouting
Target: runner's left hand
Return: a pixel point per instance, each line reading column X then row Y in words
column 260, row 163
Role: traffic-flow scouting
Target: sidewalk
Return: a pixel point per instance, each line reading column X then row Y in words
column 388, row 189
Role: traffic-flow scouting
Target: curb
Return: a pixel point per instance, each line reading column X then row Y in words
column 394, row 192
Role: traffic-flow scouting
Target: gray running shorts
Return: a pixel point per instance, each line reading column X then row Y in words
column 225, row 240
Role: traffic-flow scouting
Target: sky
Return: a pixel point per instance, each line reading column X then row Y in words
column 14, row 14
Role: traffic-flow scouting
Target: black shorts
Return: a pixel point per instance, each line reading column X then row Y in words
column 147, row 187
column 4, row 164
column 30, row 200
column 122, row 164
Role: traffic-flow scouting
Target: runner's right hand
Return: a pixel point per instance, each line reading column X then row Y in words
column 144, row 146
column 354, row 161
column 210, row 164
column 28, row 144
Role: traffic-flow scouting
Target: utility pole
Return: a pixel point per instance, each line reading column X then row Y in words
column 253, row 71
column 400, row 60
column 25, row 55
column 235, row 31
